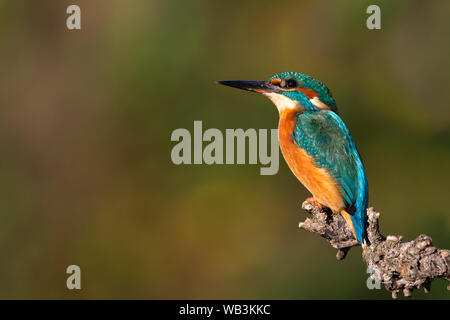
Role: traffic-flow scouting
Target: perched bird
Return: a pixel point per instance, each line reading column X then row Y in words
column 317, row 145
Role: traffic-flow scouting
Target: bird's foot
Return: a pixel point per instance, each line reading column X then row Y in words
column 314, row 201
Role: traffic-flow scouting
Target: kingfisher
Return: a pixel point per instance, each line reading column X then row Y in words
column 317, row 145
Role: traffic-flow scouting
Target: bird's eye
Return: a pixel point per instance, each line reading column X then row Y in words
column 290, row 83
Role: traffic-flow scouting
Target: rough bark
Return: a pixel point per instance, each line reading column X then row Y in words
column 398, row 265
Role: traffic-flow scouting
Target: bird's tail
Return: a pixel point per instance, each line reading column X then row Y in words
column 358, row 234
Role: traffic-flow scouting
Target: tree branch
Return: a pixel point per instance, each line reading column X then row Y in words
column 399, row 266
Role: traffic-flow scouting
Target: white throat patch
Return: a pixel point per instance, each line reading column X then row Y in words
column 281, row 102
column 319, row 104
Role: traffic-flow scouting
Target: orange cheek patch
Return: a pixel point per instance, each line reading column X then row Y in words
column 309, row 93
column 275, row 81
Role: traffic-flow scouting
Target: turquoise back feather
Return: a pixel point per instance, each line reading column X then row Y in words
column 325, row 137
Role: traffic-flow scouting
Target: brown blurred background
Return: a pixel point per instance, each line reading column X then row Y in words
column 85, row 121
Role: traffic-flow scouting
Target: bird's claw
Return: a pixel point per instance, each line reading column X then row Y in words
column 314, row 201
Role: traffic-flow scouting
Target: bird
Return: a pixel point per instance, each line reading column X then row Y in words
column 317, row 145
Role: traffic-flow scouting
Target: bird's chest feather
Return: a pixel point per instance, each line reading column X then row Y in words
column 317, row 180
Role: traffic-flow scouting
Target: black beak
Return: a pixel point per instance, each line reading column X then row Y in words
column 256, row 86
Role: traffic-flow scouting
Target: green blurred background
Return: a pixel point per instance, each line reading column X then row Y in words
column 85, row 124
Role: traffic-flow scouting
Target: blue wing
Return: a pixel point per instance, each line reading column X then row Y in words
column 325, row 137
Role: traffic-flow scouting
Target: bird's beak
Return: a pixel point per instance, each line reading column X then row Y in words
column 256, row 86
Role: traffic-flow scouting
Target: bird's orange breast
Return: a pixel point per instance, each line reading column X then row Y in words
column 317, row 180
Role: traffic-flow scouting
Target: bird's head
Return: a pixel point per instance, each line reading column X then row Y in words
column 291, row 90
